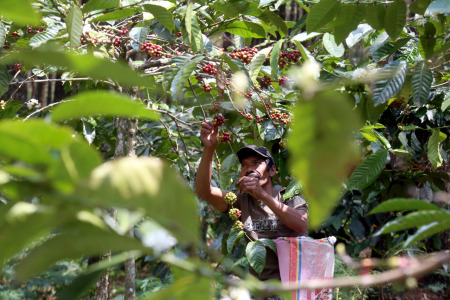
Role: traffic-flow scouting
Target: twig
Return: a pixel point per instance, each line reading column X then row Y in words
column 48, row 80
column 43, row 108
column 435, row 86
column 416, row 270
column 24, row 81
column 196, row 98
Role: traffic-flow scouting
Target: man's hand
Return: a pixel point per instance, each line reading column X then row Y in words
column 251, row 185
column 209, row 134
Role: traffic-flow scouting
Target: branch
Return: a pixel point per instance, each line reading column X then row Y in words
column 153, row 63
column 49, row 80
column 415, row 270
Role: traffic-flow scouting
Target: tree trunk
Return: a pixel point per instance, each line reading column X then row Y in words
column 126, row 146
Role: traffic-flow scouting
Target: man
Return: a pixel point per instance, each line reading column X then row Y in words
column 264, row 213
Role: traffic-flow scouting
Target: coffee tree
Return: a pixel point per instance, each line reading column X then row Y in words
column 351, row 98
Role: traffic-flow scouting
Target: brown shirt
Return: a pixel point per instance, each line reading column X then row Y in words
column 260, row 222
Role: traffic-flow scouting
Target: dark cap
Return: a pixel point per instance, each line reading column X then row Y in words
column 253, row 150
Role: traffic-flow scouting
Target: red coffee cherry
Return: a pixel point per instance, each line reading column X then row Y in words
column 218, row 120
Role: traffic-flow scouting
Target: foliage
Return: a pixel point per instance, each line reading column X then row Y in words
column 357, row 111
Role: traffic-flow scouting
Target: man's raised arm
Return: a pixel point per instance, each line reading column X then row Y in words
column 213, row 195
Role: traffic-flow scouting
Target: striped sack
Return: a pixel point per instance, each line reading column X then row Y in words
column 303, row 258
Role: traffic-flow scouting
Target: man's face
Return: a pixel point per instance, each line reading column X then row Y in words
column 255, row 163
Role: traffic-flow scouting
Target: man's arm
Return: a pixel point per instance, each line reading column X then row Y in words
column 296, row 219
column 213, row 195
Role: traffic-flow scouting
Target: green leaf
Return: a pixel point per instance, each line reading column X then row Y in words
column 183, row 75
column 321, row 149
column 230, row 9
column 348, row 19
column 421, row 81
column 226, row 170
column 163, row 15
column 244, row 29
column 17, row 147
column 149, row 184
column 100, row 5
column 427, row 231
column 446, row 103
column 321, row 14
column 74, row 23
column 275, row 55
column 257, row 63
column 375, row 15
column 387, row 49
column 4, row 80
column 393, row 75
column 85, row 65
column 256, row 255
column 23, row 223
column 77, row 242
column 401, row 204
column 433, row 152
column 415, row 219
column 11, row 108
column 294, row 188
column 233, row 238
column 22, row 13
column 439, row 6
column 45, row 36
column 395, row 18
column 269, row 243
column 114, row 15
column 331, row 46
column 41, row 133
column 427, row 41
column 276, row 20
column 419, row 6
column 367, row 172
column 305, row 53
column 101, row 103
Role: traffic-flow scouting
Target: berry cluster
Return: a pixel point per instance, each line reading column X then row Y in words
column 248, row 117
column 207, row 88
column 152, row 49
column 230, row 198
column 15, row 34
column 31, row 30
column 209, row 69
column 234, row 213
column 267, row 80
column 259, row 119
column 283, row 81
column 218, row 120
column 276, row 115
column 237, row 226
column 2, row 104
column 225, row 137
column 17, row 67
column 283, row 144
column 287, row 57
column 245, row 54
column 123, row 30
column 268, row 107
column 179, row 34
column 117, row 41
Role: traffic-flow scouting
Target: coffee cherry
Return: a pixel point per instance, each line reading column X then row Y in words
column 230, row 198
column 207, row 87
column 17, row 67
column 237, row 226
column 117, row 41
column 210, row 69
column 288, row 57
column 30, row 30
column 259, row 119
column 219, row 166
column 123, row 30
column 234, row 213
column 245, row 54
column 283, row 144
column 249, row 117
column 15, row 34
column 225, row 137
column 283, row 81
column 267, row 80
column 218, row 120
column 152, row 49
column 179, row 34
